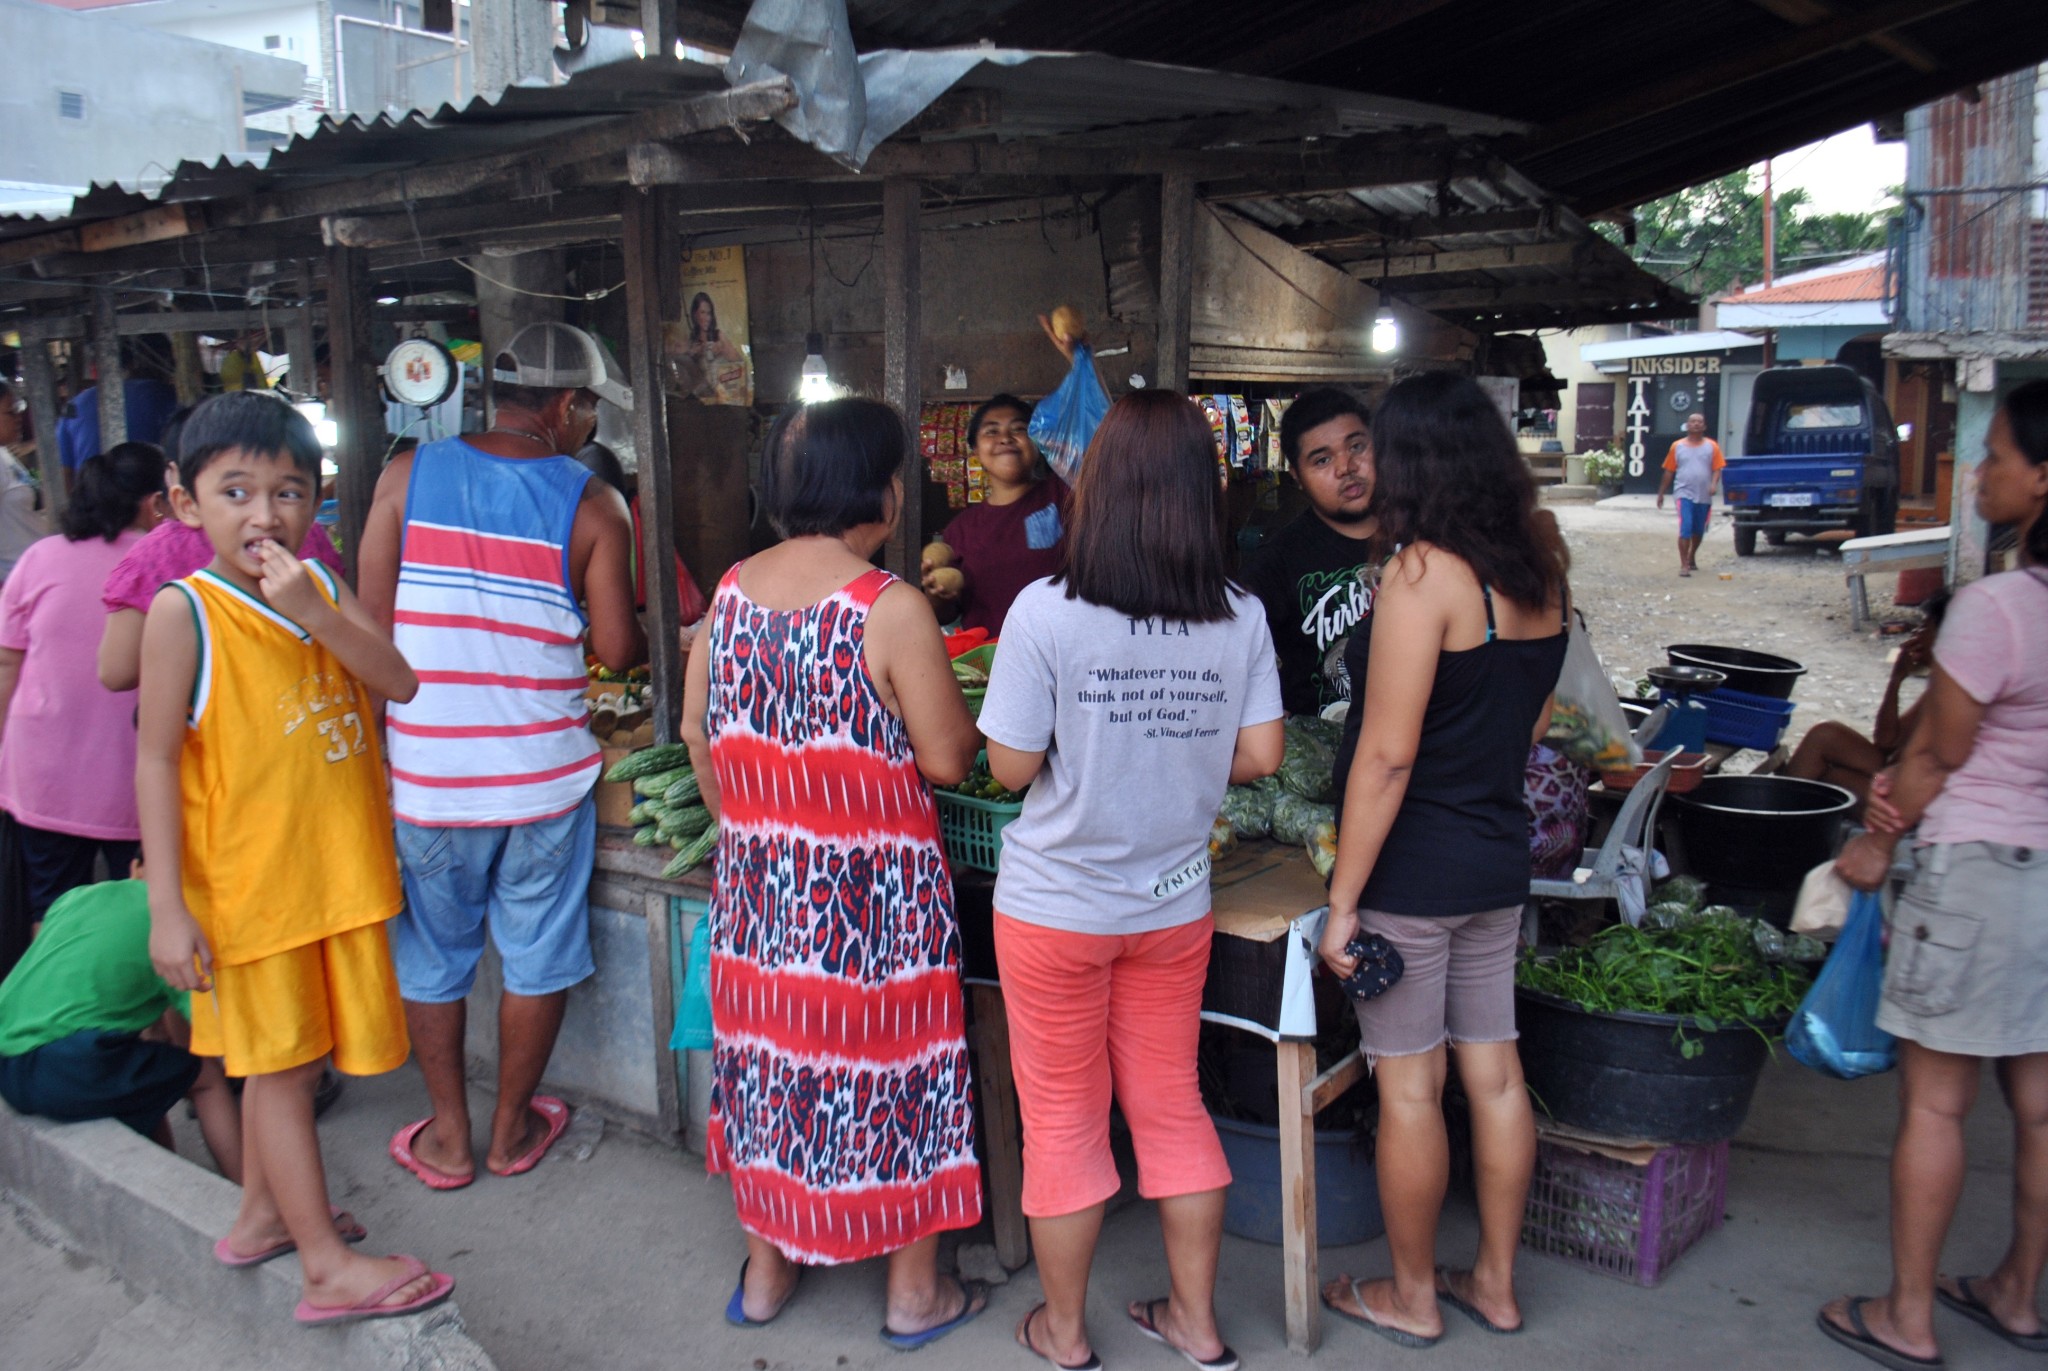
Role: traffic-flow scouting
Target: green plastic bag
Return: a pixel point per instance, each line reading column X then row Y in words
column 693, row 1015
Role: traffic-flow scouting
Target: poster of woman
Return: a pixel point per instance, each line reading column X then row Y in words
column 707, row 352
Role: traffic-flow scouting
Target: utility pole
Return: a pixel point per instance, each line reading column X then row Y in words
column 1770, row 252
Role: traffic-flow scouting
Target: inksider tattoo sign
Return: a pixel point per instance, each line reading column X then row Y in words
column 1662, row 391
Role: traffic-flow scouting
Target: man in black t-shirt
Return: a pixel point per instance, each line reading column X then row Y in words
column 1317, row 574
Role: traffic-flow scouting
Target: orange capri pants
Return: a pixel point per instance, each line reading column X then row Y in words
column 1095, row 1014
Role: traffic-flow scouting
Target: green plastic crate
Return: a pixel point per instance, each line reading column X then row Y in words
column 972, row 828
column 983, row 657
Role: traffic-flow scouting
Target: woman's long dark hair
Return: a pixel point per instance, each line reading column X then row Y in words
column 1146, row 537
column 2026, row 410
column 710, row 335
column 111, row 490
column 1449, row 474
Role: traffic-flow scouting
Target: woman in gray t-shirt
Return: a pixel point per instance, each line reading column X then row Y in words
column 1128, row 692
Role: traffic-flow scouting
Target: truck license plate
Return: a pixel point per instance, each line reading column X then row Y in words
column 1792, row 501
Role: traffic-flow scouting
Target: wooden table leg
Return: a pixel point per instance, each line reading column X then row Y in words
column 1859, row 601
column 1297, row 1069
column 1000, row 1130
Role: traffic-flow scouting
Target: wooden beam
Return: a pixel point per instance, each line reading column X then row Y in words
column 1475, row 259
column 353, row 399
column 1325, row 1089
column 39, row 379
column 190, row 379
column 1294, row 45
column 1176, row 278
column 1698, row 81
column 1424, row 227
column 1419, row 168
column 658, row 38
column 38, row 245
column 646, row 244
column 298, row 335
column 1813, row 11
column 150, row 226
column 1211, row 130
column 111, row 386
column 1620, row 291
column 428, row 225
column 902, row 356
column 1296, row 1068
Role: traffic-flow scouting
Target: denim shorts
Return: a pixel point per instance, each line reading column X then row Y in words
column 99, row 1073
column 1693, row 516
column 530, row 881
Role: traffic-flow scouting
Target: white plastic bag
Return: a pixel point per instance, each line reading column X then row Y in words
column 1587, row 724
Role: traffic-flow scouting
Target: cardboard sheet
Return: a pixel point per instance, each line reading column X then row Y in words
column 1261, row 888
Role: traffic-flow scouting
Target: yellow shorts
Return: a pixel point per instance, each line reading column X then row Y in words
column 336, row 996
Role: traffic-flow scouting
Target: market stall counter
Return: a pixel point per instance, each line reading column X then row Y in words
column 1269, row 908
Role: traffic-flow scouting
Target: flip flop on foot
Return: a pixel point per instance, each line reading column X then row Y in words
column 1446, row 1295
column 1400, row 1337
column 557, row 1115
column 1963, row 1299
column 1144, row 1313
column 431, row 1176
column 1858, row 1338
column 973, row 1300
column 372, row 1306
column 350, row 1231
column 736, row 1308
column 1094, row 1362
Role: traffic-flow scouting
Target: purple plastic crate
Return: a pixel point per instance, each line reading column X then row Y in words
column 1622, row 1219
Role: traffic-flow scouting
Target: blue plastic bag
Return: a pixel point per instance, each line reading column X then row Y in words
column 1835, row 1031
column 1065, row 421
column 693, row 1015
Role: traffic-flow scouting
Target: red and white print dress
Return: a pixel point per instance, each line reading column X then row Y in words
column 839, row 1102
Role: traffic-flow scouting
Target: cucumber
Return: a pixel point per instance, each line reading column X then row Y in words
column 692, row 856
column 683, row 825
column 682, row 792
column 648, row 812
column 651, row 787
column 647, row 761
column 647, row 835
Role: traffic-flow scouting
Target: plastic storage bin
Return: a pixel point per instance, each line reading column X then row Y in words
column 1740, row 719
column 1624, row 1219
column 972, row 829
column 983, row 657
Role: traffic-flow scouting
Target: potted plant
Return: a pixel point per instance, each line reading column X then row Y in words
column 1604, row 468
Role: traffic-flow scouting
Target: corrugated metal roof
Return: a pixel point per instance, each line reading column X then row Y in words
column 1861, row 278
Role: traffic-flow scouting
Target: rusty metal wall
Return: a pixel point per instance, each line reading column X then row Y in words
column 1965, row 255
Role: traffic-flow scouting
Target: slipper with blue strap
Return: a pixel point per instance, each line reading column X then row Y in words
column 736, row 1308
column 973, row 1300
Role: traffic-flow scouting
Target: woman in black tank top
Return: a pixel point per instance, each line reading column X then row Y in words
column 1450, row 689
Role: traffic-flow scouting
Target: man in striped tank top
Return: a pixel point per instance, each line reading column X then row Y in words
column 490, row 556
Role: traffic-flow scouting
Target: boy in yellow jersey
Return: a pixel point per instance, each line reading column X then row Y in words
column 262, row 795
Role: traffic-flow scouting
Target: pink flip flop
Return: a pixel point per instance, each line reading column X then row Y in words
column 227, row 1256
column 371, row 1306
column 432, row 1177
column 557, row 1115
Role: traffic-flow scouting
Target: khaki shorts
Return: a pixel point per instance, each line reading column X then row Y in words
column 1967, row 959
column 1457, row 982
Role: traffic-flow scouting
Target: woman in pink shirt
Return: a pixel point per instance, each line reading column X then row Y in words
column 67, row 747
column 1966, row 970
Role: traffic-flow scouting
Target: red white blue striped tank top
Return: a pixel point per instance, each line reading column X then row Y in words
column 486, row 616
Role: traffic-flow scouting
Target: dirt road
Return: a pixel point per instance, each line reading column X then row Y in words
column 1791, row 601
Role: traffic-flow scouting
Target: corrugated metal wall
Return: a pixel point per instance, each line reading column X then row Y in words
column 1967, row 251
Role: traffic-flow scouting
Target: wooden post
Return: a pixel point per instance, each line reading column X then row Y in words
column 298, row 336
column 1001, row 1132
column 1176, row 276
column 1297, row 1069
column 902, row 358
column 39, row 379
column 355, row 406
column 642, row 224
column 190, row 377
column 658, row 33
column 111, row 386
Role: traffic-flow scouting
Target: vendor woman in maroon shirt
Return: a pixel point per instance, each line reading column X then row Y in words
column 1018, row 533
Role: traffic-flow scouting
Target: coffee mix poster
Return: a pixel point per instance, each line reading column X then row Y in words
column 707, row 353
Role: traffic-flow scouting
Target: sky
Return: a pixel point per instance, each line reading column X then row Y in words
column 1845, row 174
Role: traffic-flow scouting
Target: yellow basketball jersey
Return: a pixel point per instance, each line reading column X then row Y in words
column 288, row 834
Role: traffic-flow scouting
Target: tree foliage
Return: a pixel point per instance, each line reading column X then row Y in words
column 1710, row 237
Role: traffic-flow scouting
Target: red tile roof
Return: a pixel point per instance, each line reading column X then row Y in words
column 1863, row 280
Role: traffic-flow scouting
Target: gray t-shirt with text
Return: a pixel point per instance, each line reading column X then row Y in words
column 1138, row 719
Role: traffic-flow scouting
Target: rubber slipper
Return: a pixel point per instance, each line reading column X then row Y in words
column 735, row 1308
column 974, row 1302
column 371, row 1306
column 227, row 1256
column 431, row 1176
column 1865, row 1344
column 1446, row 1295
column 1094, row 1362
column 1400, row 1337
column 1976, row 1311
column 1226, row 1360
column 557, row 1115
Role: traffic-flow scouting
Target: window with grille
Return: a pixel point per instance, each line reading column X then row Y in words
column 70, row 104
column 272, row 42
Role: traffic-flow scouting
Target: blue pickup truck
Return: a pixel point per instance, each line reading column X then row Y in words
column 1819, row 453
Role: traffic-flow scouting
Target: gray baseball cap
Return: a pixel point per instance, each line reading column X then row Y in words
column 552, row 356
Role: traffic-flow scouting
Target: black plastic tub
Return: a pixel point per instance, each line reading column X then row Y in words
column 1626, row 1075
column 1752, row 839
column 1758, row 673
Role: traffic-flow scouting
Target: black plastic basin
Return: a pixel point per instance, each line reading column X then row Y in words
column 1758, row 673
column 1626, row 1075
column 1752, row 839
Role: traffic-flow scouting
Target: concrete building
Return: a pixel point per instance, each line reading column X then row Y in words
column 89, row 101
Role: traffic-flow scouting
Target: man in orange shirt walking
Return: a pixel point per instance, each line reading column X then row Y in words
column 1694, row 465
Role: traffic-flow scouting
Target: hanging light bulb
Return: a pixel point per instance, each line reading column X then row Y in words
column 1386, row 332
column 814, row 383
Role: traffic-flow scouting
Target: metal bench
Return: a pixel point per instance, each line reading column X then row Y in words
column 1911, row 550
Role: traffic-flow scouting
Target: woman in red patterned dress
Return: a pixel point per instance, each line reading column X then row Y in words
column 819, row 708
